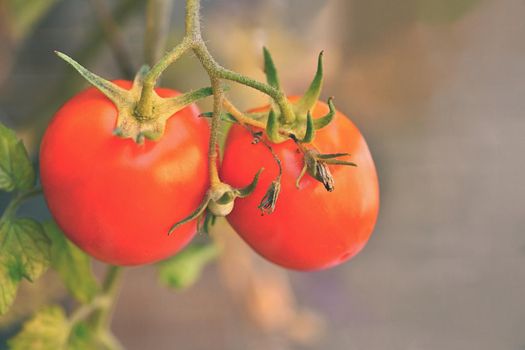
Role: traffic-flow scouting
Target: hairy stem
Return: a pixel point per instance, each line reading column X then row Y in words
column 241, row 117
column 193, row 26
column 193, row 40
column 145, row 104
column 218, row 96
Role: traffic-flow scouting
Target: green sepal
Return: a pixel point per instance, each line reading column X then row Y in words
column 219, row 201
column 174, row 104
column 209, row 221
column 332, row 155
column 339, row 162
column 309, row 134
column 272, row 128
column 129, row 123
column 112, row 91
column 195, row 214
column 184, row 269
column 320, row 123
column 246, row 191
column 269, row 69
column 226, row 198
column 309, row 99
column 16, row 170
column 165, row 109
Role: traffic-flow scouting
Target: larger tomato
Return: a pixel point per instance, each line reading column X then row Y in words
column 311, row 228
column 117, row 199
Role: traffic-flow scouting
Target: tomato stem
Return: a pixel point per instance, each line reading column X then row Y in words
column 193, row 40
column 17, row 201
column 218, row 96
column 145, row 105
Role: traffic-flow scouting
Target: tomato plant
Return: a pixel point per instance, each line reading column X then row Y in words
column 114, row 198
column 130, row 172
column 310, row 228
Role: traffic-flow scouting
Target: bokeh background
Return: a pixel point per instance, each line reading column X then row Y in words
column 438, row 89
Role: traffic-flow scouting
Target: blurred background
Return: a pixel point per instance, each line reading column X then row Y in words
column 438, row 89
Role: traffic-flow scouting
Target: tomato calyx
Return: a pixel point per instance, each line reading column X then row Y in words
column 304, row 126
column 130, row 123
column 302, row 131
column 219, row 201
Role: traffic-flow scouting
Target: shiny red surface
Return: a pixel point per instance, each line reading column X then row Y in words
column 114, row 198
column 311, row 228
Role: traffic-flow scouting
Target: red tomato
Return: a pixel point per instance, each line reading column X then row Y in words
column 311, row 228
column 117, row 199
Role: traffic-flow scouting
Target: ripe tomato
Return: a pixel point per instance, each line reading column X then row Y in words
column 311, row 228
column 117, row 199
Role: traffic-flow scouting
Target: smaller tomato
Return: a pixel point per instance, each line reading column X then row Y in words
column 117, row 199
column 310, row 228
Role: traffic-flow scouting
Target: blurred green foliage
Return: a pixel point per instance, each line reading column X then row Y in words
column 25, row 14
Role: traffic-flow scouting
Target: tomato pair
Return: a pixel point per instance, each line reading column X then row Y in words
column 117, row 199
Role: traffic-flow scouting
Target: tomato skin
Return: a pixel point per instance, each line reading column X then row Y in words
column 311, row 228
column 117, row 199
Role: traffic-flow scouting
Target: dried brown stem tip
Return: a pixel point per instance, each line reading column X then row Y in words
column 316, row 164
column 269, row 200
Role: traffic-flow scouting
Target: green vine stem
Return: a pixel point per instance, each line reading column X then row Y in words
column 99, row 310
column 145, row 104
column 193, row 40
column 218, row 97
column 17, row 201
column 102, row 317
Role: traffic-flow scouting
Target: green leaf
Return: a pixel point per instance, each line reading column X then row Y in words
column 72, row 264
column 24, row 253
column 27, row 244
column 26, row 14
column 50, row 329
column 46, row 330
column 82, row 337
column 9, row 281
column 183, row 270
column 16, row 170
